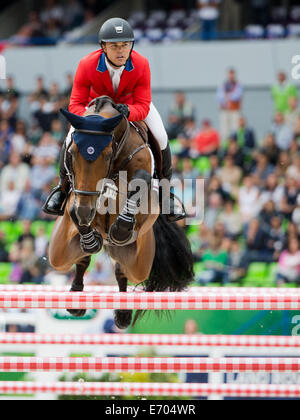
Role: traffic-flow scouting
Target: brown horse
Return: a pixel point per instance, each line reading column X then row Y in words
column 147, row 249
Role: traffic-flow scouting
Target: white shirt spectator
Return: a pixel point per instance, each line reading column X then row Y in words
column 18, row 174
column 249, row 203
column 207, row 11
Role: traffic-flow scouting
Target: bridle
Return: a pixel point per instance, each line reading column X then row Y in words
column 117, row 146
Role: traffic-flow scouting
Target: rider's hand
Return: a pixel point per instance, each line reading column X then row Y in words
column 123, row 109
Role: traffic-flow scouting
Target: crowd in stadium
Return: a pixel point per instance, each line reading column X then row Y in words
column 173, row 20
column 252, row 185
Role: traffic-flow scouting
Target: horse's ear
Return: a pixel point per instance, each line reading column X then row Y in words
column 75, row 120
column 108, row 124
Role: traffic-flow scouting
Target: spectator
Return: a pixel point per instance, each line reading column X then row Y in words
column 36, row 96
column 282, row 132
column 273, row 191
column 296, row 215
column 32, row 30
column 262, row 169
column 213, row 209
column 16, row 171
column 181, row 111
column 26, row 232
column 201, row 242
column 289, row 200
column 10, row 105
column 231, row 176
column 3, row 251
column 244, row 136
column 282, row 92
column 294, row 170
column 276, row 236
column 229, row 97
column 293, row 112
column 6, row 134
column 248, row 200
column 47, row 112
column 41, row 174
column 215, row 261
column 256, row 245
column 260, row 12
column 267, row 212
column 231, row 219
column 73, row 14
column 57, row 131
column 9, row 199
column 18, row 140
column 47, row 149
column 188, row 172
column 102, row 273
column 208, row 14
column 29, row 205
column 41, row 243
column 190, row 327
column 52, row 11
column 289, row 264
column 206, row 141
column 270, row 148
column 237, row 154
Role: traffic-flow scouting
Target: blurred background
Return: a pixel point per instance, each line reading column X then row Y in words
column 221, row 79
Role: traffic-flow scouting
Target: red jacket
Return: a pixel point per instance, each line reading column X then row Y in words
column 92, row 79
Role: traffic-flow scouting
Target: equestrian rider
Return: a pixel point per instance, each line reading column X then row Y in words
column 117, row 71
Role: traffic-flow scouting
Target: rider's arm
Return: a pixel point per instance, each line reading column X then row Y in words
column 80, row 91
column 141, row 96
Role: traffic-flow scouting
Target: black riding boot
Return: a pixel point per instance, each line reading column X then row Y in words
column 176, row 212
column 55, row 203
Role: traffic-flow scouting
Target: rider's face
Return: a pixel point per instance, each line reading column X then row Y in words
column 117, row 52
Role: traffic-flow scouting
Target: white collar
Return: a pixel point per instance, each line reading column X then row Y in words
column 111, row 69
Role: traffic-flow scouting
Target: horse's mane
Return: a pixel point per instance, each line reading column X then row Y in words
column 97, row 104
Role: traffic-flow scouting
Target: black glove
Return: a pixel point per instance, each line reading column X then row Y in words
column 123, row 109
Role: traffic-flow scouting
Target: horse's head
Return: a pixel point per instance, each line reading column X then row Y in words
column 91, row 154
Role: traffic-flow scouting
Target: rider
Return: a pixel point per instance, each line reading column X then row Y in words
column 117, row 71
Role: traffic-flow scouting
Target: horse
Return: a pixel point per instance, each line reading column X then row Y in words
column 146, row 248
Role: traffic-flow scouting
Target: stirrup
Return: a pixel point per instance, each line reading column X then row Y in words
column 59, row 212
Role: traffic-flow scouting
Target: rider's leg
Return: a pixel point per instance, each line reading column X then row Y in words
column 156, row 126
column 55, row 202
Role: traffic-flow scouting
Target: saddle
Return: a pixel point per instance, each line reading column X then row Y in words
column 146, row 134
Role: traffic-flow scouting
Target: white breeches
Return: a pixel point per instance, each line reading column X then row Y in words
column 153, row 121
column 156, row 126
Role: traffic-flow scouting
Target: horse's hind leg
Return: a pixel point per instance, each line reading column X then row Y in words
column 77, row 284
column 122, row 317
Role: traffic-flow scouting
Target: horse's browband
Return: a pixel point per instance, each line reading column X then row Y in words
column 96, row 133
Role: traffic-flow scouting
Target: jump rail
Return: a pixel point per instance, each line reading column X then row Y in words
column 148, row 300
column 148, row 364
column 151, row 340
column 150, row 389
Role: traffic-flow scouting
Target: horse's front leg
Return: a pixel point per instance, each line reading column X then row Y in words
column 122, row 317
column 77, row 284
column 122, row 230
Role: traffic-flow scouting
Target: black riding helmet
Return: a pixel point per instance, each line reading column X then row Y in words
column 116, row 30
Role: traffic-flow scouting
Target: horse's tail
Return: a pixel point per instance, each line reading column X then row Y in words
column 172, row 268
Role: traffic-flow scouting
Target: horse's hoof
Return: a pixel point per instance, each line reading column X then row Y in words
column 78, row 313
column 122, row 318
column 121, row 232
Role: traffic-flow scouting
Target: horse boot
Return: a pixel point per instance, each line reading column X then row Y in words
column 176, row 212
column 57, row 200
column 122, row 230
